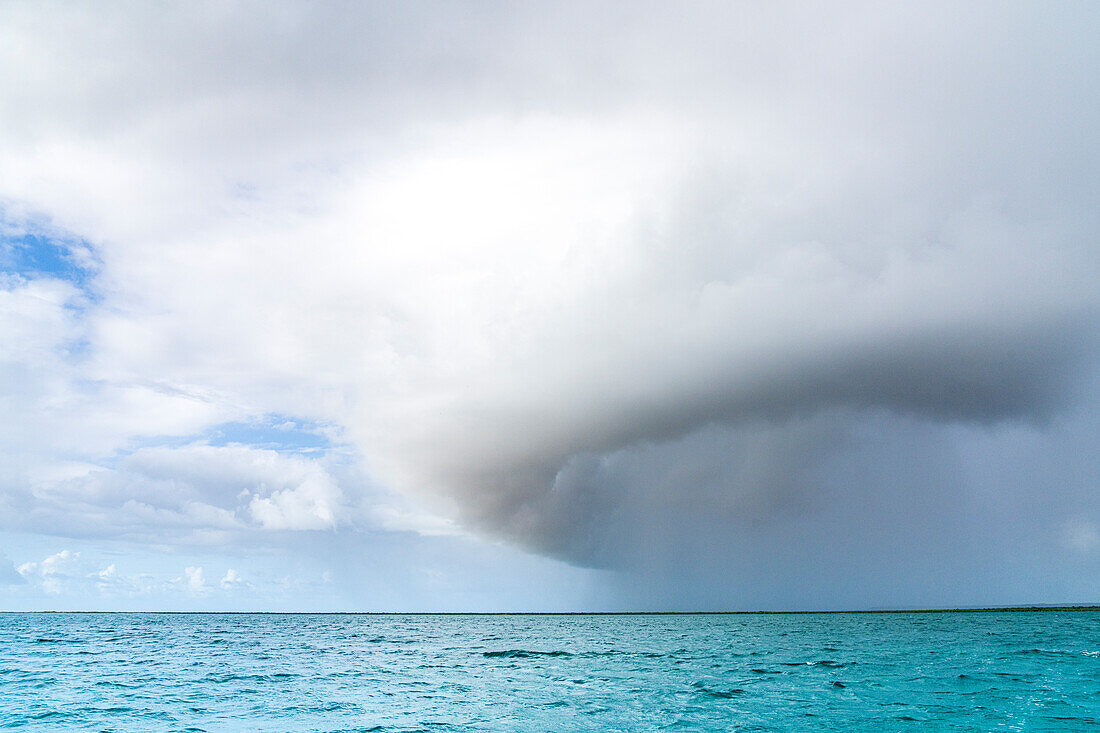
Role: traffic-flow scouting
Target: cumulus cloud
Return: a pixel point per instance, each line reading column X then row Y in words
column 53, row 573
column 193, row 580
column 632, row 287
column 111, row 583
column 308, row 506
column 232, row 579
column 195, row 492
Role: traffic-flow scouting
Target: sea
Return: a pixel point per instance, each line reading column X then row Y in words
column 950, row 671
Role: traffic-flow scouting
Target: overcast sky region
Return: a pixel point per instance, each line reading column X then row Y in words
column 549, row 306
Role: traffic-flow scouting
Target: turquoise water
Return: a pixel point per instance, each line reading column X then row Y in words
column 851, row 672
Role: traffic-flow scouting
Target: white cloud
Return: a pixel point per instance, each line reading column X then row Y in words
column 51, row 574
column 194, row 581
column 232, row 579
column 108, row 573
column 311, row 505
column 111, row 583
column 183, row 493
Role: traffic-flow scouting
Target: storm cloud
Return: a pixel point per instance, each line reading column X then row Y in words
column 788, row 307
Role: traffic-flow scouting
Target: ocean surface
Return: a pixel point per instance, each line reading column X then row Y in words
column 1032, row 671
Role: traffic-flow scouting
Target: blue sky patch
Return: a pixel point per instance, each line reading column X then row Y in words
column 34, row 250
column 38, row 255
column 273, row 432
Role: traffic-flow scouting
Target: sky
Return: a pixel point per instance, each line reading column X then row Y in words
column 549, row 306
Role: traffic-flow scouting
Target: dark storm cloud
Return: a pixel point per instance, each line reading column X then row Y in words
column 972, row 377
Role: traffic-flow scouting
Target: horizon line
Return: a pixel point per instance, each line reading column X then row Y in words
column 763, row 612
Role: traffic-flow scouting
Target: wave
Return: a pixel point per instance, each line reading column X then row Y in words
column 524, row 654
column 717, row 694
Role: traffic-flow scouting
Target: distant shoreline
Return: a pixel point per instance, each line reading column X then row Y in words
column 990, row 609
